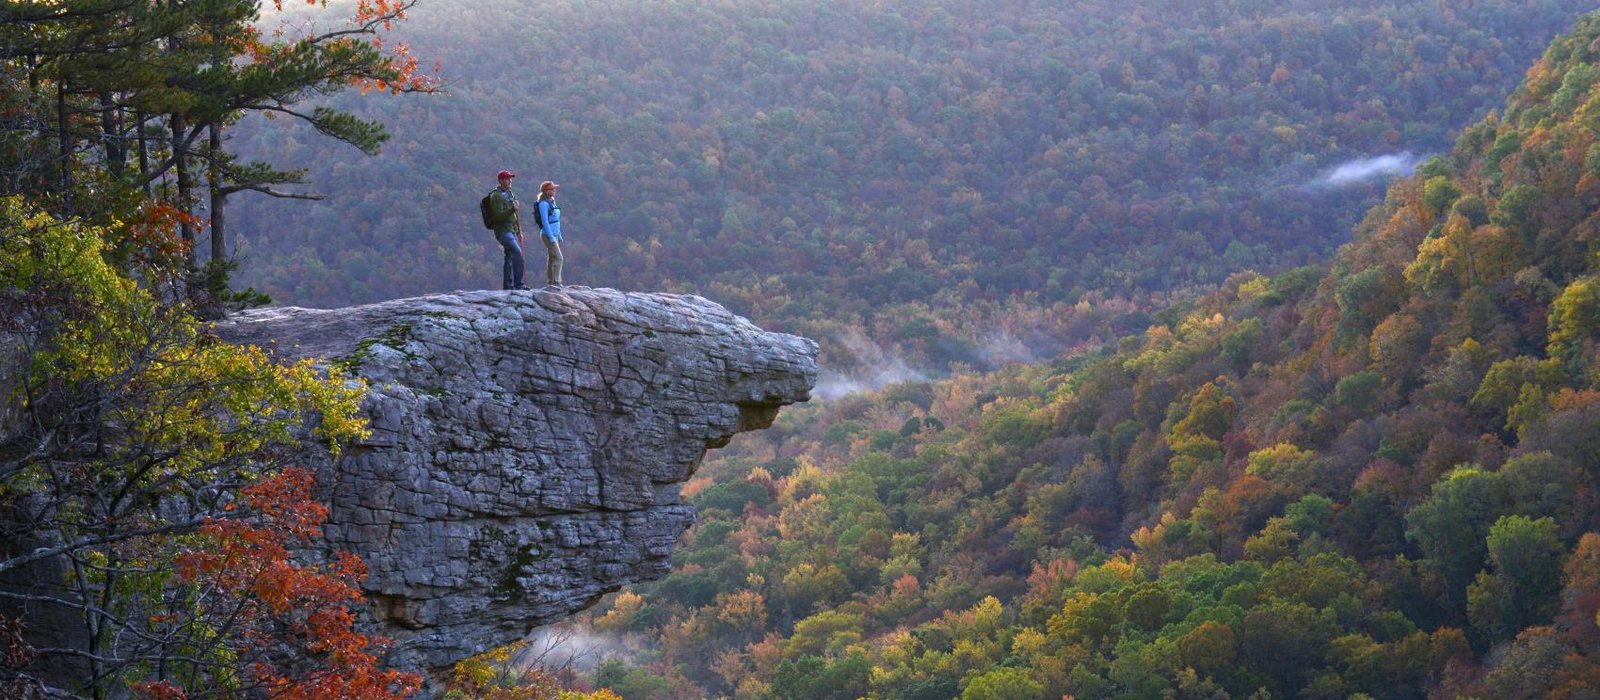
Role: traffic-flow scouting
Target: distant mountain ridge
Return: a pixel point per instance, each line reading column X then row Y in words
column 924, row 175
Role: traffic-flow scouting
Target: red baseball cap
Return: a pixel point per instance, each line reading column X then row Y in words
column 505, row 174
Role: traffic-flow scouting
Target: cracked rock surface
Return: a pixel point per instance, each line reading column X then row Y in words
column 526, row 447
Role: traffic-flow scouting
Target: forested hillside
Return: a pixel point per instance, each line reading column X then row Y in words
column 1371, row 478
column 956, row 181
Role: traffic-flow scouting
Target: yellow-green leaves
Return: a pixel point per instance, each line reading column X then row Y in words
column 1574, row 318
column 160, row 385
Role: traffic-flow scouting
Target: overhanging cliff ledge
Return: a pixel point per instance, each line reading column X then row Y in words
column 526, row 447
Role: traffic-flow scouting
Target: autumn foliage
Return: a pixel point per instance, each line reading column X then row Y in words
column 169, row 528
column 298, row 621
column 1370, row 478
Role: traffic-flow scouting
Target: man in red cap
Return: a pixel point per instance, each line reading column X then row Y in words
column 506, row 215
column 549, row 218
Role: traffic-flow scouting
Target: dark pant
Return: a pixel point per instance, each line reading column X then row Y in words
column 511, row 273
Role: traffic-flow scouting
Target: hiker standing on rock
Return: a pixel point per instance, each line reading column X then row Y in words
column 549, row 217
column 505, row 213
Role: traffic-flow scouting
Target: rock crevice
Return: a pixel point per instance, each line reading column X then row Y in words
column 526, row 447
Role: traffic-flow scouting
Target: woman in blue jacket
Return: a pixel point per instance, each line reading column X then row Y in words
column 549, row 217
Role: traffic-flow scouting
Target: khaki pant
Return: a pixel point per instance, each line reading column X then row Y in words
column 552, row 266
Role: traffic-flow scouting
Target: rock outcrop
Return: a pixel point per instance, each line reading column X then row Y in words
column 526, row 447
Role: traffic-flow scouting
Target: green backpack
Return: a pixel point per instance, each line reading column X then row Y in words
column 486, row 209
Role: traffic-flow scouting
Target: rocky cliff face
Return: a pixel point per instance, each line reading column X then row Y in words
column 526, row 447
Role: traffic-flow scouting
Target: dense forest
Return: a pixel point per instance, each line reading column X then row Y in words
column 1283, row 432
column 1371, row 478
column 974, row 182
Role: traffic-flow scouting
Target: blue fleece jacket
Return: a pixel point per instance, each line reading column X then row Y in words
column 550, row 219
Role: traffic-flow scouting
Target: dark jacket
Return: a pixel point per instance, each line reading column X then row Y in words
column 503, row 211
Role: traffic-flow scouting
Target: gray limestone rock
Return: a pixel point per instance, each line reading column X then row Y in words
column 526, row 447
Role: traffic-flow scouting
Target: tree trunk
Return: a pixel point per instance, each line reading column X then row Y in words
column 144, row 152
column 111, row 135
column 180, row 160
column 219, row 248
column 64, row 139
